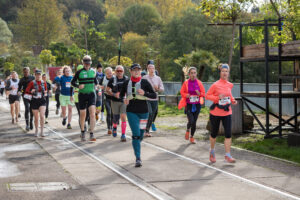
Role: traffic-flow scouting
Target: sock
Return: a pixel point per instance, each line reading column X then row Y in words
column 212, row 150
column 228, row 154
column 102, row 116
column 123, row 126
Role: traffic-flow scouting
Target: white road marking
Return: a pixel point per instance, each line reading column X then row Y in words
column 153, row 191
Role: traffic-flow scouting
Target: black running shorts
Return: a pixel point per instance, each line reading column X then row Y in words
column 86, row 100
column 13, row 98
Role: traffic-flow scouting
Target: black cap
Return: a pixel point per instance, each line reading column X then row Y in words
column 135, row 65
column 150, row 62
column 37, row 71
column 99, row 65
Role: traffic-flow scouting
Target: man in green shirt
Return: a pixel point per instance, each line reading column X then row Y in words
column 85, row 80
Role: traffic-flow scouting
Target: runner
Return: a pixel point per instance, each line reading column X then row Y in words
column 113, row 89
column 2, row 86
column 220, row 94
column 192, row 93
column 38, row 89
column 12, row 86
column 56, row 89
column 99, row 103
column 157, row 86
column 66, row 96
column 107, row 99
column 137, row 90
column 87, row 98
column 44, row 78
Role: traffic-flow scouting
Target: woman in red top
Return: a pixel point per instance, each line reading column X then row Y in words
column 37, row 89
column 192, row 93
column 220, row 94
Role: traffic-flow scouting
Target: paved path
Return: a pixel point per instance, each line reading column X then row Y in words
column 172, row 168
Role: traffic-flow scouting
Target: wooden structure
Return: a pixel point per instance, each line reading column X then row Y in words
column 263, row 53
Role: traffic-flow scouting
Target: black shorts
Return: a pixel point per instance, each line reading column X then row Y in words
column 13, row 98
column 35, row 104
column 215, row 124
column 86, row 100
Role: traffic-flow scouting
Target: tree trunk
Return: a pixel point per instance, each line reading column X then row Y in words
column 232, row 42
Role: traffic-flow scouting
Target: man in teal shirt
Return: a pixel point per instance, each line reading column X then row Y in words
column 85, row 80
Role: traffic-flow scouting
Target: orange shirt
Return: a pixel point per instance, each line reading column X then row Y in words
column 220, row 87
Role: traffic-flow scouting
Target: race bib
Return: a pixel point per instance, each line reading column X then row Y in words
column 27, row 96
column 68, row 84
column 194, row 99
column 14, row 92
column 38, row 95
column 224, row 101
column 143, row 124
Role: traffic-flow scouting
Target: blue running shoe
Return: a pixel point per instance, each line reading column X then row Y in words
column 123, row 138
column 153, row 127
column 114, row 133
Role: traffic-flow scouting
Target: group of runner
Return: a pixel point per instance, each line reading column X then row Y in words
column 133, row 99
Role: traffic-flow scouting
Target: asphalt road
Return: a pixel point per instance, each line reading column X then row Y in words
column 172, row 168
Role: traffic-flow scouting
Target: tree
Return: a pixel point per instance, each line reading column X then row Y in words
column 39, row 22
column 59, row 50
column 93, row 8
column 289, row 11
column 139, row 18
column 8, row 66
column 85, row 32
column 125, row 61
column 166, row 8
column 135, row 47
column 200, row 59
column 75, row 54
column 47, row 58
column 186, row 33
column 225, row 10
column 5, row 37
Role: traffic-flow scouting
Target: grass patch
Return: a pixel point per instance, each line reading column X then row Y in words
column 166, row 110
column 276, row 147
column 167, row 127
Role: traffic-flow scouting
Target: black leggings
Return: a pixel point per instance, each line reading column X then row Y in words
column 27, row 111
column 57, row 101
column 109, row 115
column 1, row 91
column 192, row 117
column 215, row 124
column 47, row 107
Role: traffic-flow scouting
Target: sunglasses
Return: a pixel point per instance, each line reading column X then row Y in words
column 119, row 71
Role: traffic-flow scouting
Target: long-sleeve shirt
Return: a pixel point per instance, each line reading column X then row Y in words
column 24, row 82
column 136, row 105
column 155, row 81
column 220, row 87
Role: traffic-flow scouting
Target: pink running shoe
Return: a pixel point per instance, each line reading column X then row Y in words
column 212, row 157
column 229, row 159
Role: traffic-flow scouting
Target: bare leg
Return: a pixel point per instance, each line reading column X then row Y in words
column 92, row 117
column 17, row 104
column 82, row 119
column 12, row 111
column 42, row 110
column 69, row 114
column 212, row 142
column 227, row 144
column 63, row 111
column 36, row 121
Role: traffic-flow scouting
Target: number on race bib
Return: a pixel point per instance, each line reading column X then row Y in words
column 143, row 124
column 194, row 99
column 224, row 101
column 68, row 84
